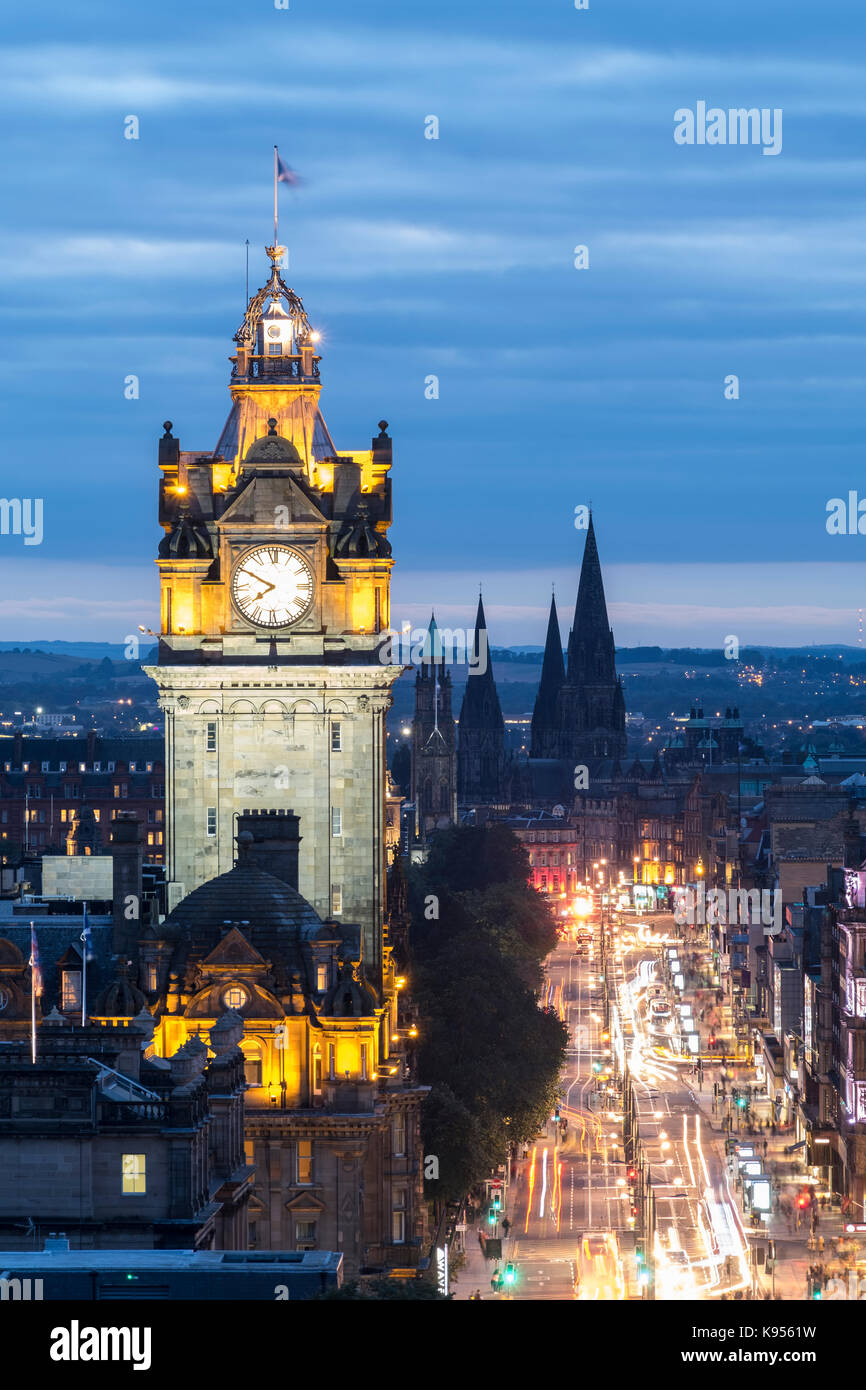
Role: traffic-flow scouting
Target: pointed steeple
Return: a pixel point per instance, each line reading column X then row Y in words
column 590, row 644
column 481, row 734
column 544, row 720
column 591, row 705
column 481, row 701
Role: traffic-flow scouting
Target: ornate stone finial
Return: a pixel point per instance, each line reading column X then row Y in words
column 272, row 426
column 383, row 425
column 166, row 424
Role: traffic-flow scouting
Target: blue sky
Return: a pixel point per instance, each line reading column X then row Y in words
column 452, row 257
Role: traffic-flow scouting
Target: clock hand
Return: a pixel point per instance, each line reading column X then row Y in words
column 259, row 580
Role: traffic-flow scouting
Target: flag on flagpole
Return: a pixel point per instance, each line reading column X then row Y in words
column 35, row 967
column 85, row 952
column 35, row 989
column 287, row 175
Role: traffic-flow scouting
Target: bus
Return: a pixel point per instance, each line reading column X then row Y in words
column 599, row 1272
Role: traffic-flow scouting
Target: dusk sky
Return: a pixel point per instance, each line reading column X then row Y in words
column 455, row 258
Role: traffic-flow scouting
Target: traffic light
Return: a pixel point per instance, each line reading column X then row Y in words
column 497, row 1199
column 742, row 1102
column 632, row 1175
column 491, row 1216
column 556, row 1114
column 816, row 1293
column 803, row 1200
column 596, row 1066
column 510, row 1274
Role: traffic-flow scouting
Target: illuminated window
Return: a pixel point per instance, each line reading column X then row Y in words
column 336, row 821
column 253, row 1065
column 133, row 1179
column 70, row 990
column 364, row 1061
column 275, row 349
column 150, row 977
column 336, row 899
column 317, row 1073
column 336, row 738
column 97, row 815
column 235, row 997
column 321, row 977
column 332, row 1061
column 305, row 1162
column 210, row 746
column 150, row 839
column 211, row 821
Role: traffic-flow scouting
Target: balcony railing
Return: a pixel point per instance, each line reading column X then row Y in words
column 282, row 368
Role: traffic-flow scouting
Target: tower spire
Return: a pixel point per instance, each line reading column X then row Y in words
column 544, row 722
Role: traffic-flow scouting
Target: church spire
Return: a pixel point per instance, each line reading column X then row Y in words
column 591, row 657
column 481, row 728
column 544, row 721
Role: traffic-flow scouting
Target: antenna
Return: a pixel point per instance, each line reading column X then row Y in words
column 247, row 244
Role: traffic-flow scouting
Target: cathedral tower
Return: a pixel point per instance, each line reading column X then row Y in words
column 275, row 572
column 434, row 741
column 481, row 762
column 545, row 727
column 591, row 706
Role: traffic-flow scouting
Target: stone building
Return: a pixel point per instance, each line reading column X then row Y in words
column 116, row 1147
column 434, row 741
column 48, row 785
column 275, row 575
column 482, row 765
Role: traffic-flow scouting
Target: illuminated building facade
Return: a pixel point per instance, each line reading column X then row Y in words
column 275, row 576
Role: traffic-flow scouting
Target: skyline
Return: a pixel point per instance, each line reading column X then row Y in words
column 570, row 386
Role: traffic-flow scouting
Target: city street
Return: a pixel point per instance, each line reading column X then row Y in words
column 670, row 1198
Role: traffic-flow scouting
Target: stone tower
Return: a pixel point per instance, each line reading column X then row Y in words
column 591, row 705
column 275, row 574
column 545, row 722
column 434, row 741
column 481, row 761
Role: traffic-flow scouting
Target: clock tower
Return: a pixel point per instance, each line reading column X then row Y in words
column 275, row 572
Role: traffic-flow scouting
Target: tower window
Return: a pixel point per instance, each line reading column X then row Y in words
column 321, row 978
column 364, row 1061
column 275, row 349
column 336, row 899
column 336, row 821
column 211, row 821
column 133, row 1168
column 336, row 737
column 210, row 745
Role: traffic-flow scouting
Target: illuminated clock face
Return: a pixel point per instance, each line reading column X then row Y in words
column 274, row 330
column 272, row 586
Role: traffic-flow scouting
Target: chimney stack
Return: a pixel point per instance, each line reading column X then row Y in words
column 269, row 840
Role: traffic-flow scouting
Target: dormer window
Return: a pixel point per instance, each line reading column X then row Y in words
column 275, row 349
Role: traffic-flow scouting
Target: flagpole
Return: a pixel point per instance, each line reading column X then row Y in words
column 275, row 195
column 32, row 999
column 84, row 935
column 248, row 269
